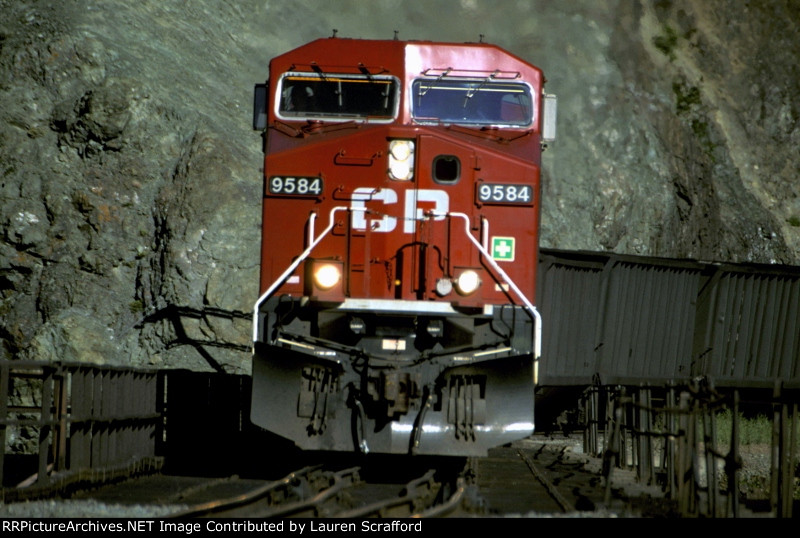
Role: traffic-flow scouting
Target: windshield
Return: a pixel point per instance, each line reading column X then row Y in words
column 481, row 102
column 322, row 96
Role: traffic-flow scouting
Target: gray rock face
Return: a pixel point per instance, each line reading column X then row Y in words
column 122, row 197
column 129, row 176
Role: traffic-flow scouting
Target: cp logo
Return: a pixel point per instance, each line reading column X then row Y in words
column 415, row 203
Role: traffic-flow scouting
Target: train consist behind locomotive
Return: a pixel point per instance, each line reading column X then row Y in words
column 400, row 236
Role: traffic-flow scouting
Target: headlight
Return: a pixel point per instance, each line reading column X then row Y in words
column 327, row 276
column 468, row 282
column 401, row 159
column 401, row 149
column 444, row 286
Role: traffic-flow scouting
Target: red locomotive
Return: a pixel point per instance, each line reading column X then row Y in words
column 400, row 237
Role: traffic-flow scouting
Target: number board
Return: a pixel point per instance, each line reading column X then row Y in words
column 504, row 193
column 295, row 186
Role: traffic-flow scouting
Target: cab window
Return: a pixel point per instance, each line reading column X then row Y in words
column 475, row 102
column 340, row 97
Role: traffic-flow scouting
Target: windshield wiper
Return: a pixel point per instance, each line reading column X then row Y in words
column 318, row 70
column 440, row 77
column 489, row 133
column 473, row 91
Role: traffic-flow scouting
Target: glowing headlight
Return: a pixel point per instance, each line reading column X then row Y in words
column 327, row 276
column 401, row 159
column 468, row 282
column 401, row 149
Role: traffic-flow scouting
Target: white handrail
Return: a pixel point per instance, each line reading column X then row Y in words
column 266, row 295
column 528, row 304
column 312, row 222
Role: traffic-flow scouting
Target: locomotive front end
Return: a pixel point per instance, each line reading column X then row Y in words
column 400, row 235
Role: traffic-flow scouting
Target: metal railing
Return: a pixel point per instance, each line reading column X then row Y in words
column 669, row 436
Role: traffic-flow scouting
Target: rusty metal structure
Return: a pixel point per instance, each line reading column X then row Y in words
column 85, row 421
column 669, row 436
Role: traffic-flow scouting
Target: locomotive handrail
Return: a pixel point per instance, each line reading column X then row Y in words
column 537, row 318
column 314, row 241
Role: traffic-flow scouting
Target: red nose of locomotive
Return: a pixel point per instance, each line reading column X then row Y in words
column 399, row 248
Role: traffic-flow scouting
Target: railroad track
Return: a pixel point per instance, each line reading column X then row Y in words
column 314, row 492
column 531, row 477
column 553, row 477
column 522, row 479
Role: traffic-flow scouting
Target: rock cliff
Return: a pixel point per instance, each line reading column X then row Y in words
column 129, row 176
